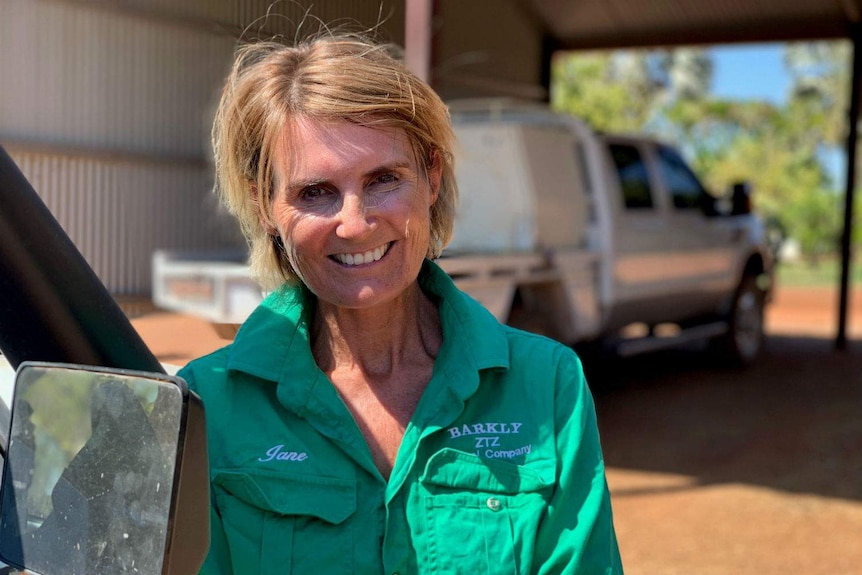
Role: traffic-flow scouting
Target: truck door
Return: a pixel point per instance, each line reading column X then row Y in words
column 640, row 240
column 671, row 261
column 703, row 246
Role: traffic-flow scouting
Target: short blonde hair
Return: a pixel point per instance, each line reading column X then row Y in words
column 329, row 77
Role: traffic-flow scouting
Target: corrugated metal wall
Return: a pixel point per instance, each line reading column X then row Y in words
column 107, row 109
column 119, row 211
column 83, row 77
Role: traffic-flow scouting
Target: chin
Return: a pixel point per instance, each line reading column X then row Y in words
column 365, row 296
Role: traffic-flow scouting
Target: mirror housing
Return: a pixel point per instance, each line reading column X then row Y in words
column 106, row 472
column 740, row 199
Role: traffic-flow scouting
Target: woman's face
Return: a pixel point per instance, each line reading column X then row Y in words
column 352, row 207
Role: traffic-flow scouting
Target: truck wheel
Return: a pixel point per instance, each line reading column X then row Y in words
column 744, row 338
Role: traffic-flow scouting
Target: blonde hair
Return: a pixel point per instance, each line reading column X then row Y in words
column 329, row 77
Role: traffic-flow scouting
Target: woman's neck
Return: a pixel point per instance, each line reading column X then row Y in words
column 377, row 342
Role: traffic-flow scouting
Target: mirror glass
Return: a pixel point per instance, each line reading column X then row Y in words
column 89, row 474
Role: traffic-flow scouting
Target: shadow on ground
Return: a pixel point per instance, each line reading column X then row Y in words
column 792, row 421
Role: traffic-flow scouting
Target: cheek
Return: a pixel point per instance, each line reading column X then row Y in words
column 290, row 223
column 299, row 253
column 300, row 234
column 419, row 218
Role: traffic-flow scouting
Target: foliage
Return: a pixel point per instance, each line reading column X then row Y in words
column 622, row 91
column 821, row 85
column 816, row 223
column 589, row 89
column 775, row 148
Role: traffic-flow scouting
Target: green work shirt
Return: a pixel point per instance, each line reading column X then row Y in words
column 499, row 471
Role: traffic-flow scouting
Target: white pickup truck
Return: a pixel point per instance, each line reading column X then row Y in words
column 586, row 237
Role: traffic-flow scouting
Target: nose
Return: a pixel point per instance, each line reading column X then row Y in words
column 354, row 218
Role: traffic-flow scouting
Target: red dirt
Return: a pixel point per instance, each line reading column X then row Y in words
column 812, row 311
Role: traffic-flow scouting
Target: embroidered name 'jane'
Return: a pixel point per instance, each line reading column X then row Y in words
column 277, row 453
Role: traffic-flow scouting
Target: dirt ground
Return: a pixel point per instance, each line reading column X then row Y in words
column 714, row 471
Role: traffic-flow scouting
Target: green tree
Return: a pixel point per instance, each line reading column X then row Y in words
column 608, row 97
column 625, row 91
column 815, row 218
column 820, row 85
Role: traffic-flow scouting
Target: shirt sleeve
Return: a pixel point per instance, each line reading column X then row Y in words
column 218, row 561
column 577, row 536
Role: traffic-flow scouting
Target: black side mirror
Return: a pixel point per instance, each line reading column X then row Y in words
column 105, row 472
column 741, row 199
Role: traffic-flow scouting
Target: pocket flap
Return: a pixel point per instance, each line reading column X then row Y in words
column 327, row 498
column 452, row 468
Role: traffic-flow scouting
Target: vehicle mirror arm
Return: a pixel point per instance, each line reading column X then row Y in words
column 59, row 308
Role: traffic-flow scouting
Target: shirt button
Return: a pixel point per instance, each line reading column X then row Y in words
column 493, row 504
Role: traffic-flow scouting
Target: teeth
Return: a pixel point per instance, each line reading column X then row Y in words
column 363, row 258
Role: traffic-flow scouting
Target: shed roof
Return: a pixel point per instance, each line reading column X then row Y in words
column 584, row 24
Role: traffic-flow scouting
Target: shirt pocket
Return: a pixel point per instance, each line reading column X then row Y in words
column 480, row 516
column 285, row 523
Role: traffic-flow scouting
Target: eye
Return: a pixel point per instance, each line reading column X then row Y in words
column 316, row 198
column 384, row 182
column 387, row 178
column 312, row 193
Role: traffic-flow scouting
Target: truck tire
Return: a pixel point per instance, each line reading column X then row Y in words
column 743, row 341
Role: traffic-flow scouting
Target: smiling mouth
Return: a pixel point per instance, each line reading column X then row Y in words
column 363, row 257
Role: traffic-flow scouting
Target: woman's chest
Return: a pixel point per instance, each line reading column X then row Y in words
column 382, row 410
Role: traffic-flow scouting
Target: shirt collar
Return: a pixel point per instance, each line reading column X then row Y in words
column 266, row 339
column 467, row 324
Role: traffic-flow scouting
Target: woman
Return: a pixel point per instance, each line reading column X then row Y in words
column 369, row 417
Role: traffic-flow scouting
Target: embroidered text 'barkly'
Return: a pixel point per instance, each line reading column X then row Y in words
column 485, row 428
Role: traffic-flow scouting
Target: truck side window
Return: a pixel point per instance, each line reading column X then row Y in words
column 683, row 185
column 634, row 179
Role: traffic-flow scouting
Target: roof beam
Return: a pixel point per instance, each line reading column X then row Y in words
column 750, row 32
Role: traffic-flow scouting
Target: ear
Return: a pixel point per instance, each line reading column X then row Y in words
column 262, row 217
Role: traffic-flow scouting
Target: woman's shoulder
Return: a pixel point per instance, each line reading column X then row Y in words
column 206, row 370
column 218, row 386
column 484, row 334
column 530, row 346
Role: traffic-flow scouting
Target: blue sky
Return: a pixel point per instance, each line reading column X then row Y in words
column 751, row 71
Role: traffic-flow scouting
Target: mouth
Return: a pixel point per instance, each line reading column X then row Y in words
column 362, row 258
